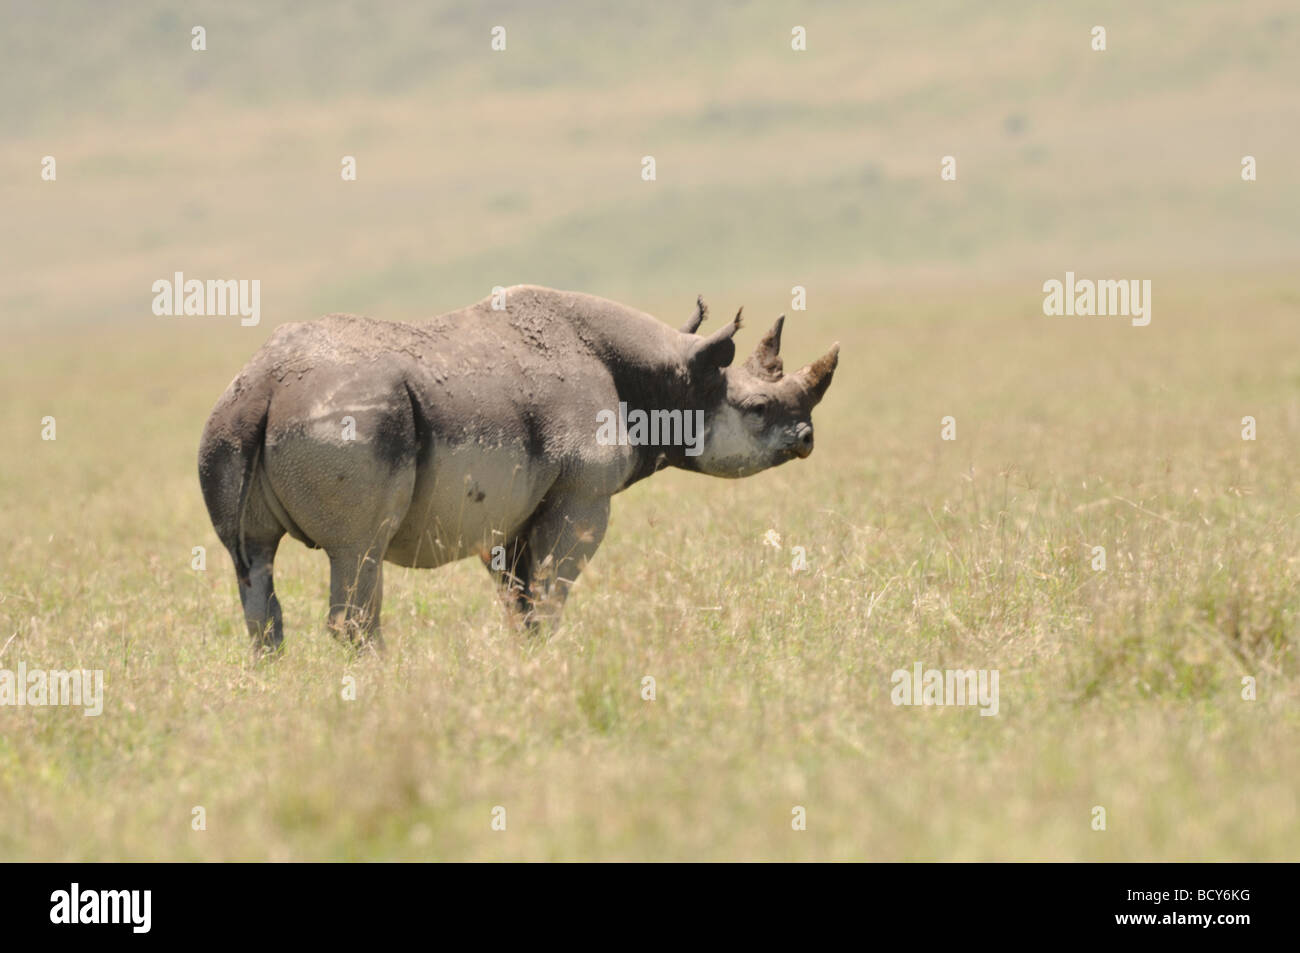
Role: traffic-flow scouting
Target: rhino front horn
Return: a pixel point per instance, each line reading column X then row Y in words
column 765, row 362
column 816, row 377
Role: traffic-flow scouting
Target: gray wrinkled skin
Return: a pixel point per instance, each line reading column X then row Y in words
column 469, row 431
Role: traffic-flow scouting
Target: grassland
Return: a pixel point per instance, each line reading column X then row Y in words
column 1119, row 688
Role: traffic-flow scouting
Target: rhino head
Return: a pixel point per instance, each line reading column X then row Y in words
column 756, row 415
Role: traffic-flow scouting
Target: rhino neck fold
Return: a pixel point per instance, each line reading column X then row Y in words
column 646, row 360
column 658, row 419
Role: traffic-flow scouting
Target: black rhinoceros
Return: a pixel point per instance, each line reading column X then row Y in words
column 498, row 431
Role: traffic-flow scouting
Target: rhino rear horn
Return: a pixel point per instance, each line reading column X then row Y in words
column 766, row 362
column 701, row 312
column 816, row 377
column 718, row 349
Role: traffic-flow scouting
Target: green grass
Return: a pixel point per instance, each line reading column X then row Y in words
column 1119, row 689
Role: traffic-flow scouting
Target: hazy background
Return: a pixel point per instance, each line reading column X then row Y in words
column 775, row 168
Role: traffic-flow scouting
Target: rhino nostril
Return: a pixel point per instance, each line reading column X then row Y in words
column 804, row 442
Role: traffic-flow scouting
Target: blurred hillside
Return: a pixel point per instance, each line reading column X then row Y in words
column 775, row 167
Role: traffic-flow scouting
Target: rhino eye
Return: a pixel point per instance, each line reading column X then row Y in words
column 758, row 407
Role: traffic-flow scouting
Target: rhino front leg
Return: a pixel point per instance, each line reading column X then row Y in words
column 511, row 569
column 356, row 596
column 562, row 539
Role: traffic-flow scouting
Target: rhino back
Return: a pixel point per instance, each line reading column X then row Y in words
column 446, row 434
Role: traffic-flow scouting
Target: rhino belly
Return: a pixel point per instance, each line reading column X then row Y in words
column 468, row 499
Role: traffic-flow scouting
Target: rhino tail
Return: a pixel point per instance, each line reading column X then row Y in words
column 230, row 453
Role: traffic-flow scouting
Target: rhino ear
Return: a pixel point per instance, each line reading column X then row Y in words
column 718, row 349
column 701, row 312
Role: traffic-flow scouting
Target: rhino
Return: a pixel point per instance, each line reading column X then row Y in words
column 479, row 433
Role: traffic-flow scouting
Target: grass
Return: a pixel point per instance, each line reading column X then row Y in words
column 1120, row 689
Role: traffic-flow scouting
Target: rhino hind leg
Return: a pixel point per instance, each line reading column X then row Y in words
column 252, row 535
column 257, row 594
column 356, row 596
